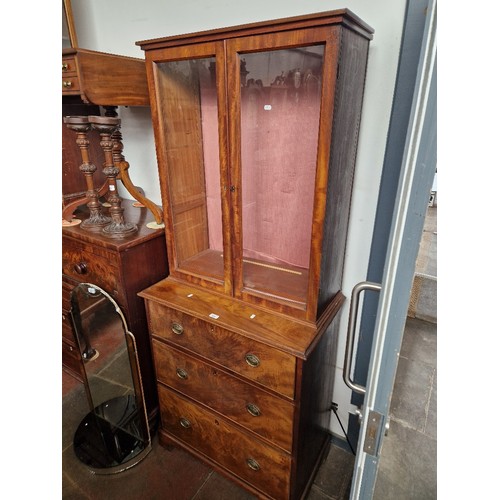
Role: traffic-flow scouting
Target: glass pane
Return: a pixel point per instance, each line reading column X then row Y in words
column 280, row 109
column 188, row 100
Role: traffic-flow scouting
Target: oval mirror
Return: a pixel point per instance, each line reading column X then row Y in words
column 114, row 435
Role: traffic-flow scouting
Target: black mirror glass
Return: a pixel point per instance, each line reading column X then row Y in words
column 115, row 434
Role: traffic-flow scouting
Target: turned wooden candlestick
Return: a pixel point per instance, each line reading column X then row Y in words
column 97, row 220
column 118, row 228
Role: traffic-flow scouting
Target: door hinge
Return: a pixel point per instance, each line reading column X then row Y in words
column 375, row 429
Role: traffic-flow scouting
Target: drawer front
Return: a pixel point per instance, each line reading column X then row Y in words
column 68, row 66
column 253, row 360
column 257, row 410
column 67, row 330
column 87, row 267
column 263, row 466
column 72, row 360
column 70, row 84
column 66, row 300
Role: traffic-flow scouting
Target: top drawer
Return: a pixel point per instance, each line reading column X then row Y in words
column 68, row 66
column 89, row 267
column 258, row 362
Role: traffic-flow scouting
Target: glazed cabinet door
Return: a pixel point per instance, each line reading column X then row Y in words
column 190, row 128
column 281, row 86
column 243, row 130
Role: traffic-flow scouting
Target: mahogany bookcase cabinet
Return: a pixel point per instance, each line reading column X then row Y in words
column 256, row 129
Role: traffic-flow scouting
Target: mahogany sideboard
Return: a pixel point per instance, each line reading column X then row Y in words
column 122, row 267
column 104, row 79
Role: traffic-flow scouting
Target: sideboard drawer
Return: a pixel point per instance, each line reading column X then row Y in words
column 253, row 360
column 68, row 66
column 267, row 415
column 263, row 466
column 70, row 84
column 88, row 267
column 67, row 330
column 66, row 300
column 72, row 360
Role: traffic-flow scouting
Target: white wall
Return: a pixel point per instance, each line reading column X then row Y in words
column 114, row 26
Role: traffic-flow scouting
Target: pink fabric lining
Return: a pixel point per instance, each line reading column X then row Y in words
column 210, row 133
column 279, row 144
column 279, row 147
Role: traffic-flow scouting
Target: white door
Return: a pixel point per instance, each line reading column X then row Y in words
column 416, row 179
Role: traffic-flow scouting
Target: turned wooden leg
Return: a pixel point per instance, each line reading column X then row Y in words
column 97, row 220
column 118, row 228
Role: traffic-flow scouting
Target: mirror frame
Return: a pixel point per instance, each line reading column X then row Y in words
column 68, row 14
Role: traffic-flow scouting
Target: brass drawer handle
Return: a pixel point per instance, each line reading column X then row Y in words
column 254, row 410
column 80, row 268
column 177, row 328
column 185, row 423
column 252, row 360
column 253, row 464
column 67, row 84
column 65, row 66
column 181, row 373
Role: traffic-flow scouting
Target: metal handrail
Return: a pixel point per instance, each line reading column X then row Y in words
column 351, row 329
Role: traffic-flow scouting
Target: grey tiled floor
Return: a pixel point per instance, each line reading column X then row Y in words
column 407, row 467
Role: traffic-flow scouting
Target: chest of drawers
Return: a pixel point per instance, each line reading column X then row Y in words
column 231, row 373
column 122, row 268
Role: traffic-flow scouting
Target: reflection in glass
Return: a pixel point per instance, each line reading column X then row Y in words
column 280, row 110
column 66, row 42
column 187, row 94
column 115, row 434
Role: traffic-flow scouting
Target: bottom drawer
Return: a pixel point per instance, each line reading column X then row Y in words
column 264, row 467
